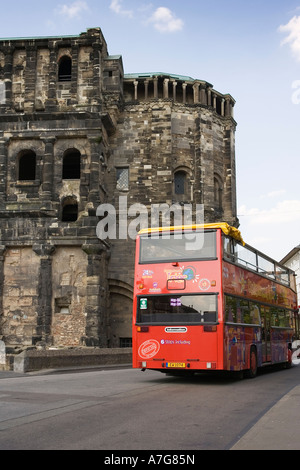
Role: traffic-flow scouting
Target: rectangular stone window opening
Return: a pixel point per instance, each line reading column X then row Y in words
column 62, row 305
column 27, row 166
column 65, row 69
column 123, row 179
column 180, row 182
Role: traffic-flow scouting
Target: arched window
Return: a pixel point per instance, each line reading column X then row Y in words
column 65, row 69
column 27, row 166
column 180, row 182
column 71, row 165
column 69, row 210
column 122, row 179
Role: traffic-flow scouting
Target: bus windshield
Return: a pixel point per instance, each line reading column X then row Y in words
column 179, row 246
column 199, row 308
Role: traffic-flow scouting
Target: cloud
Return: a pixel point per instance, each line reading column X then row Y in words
column 165, row 21
column 73, row 10
column 273, row 194
column 292, row 28
column 273, row 231
column 116, row 6
column 285, row 212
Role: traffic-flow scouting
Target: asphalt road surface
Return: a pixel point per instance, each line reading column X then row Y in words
column 125, row 409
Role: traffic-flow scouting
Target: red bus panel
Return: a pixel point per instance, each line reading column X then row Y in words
column 199, row 307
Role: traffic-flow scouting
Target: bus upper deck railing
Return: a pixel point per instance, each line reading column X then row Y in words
column 277, row 272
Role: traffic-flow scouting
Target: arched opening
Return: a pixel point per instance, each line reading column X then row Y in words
column 120, row 294
column 71, row 165
column 27, row 166
column 65, row 69
column 69, row 210
column 122, row 179
column 180, row 182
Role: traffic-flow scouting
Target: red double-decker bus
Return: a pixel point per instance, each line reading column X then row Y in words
column 204, row 300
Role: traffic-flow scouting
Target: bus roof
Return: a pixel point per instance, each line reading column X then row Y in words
column 226, row 229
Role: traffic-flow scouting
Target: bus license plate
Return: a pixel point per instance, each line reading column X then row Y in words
column 176, row 365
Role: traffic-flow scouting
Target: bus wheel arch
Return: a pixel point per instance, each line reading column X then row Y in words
column 252, row 371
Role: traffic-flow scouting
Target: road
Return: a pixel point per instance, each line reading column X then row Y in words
column 125, row 409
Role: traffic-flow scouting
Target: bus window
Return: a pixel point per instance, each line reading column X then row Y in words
column 246, row 257
column 230, row 309
column 245, row 311
column 254, row 314
column 200, row 308
column 228, row 249
column 178, row 247
column 279, row 317
column 241, row 311
column 266, row 267
column 282, row 274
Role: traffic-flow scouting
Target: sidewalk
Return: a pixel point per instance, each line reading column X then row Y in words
column 279, row 428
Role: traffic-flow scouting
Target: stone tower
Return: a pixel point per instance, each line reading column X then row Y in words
column 76, row 133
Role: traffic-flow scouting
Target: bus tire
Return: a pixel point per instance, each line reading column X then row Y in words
column 252, row 372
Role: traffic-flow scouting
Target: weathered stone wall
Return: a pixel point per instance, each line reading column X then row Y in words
column 76, row 133
column 52, row 265
column 69, row 281
column 156, row 139
column 18, row 322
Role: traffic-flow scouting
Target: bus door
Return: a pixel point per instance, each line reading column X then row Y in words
column 266, row 334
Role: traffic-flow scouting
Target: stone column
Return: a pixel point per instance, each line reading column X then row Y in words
column 228, row 108
column 222, row 107
column 94, row 187
column 214, row 101
column 196, row 93
column 184, row 85
column 203, row 97
column 30, row 78
column 209, row 103
column 97, row 291
column 74, row 74
column 155, row 82
column 135, row 89
column 47, row 180
column 174, row 90
column 51, row 102
column 44, row 308
column 8, row 68
column 166, row 88
column 3, row 167
column 146, row 89
column 97, row 72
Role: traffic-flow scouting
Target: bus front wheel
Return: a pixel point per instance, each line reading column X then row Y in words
column 253, row 363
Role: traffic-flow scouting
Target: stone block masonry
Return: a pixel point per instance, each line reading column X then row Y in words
column 75, row 132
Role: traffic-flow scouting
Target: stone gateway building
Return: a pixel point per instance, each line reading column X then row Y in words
column 76, row 133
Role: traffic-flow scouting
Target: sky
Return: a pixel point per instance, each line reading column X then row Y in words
column 249, row 49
